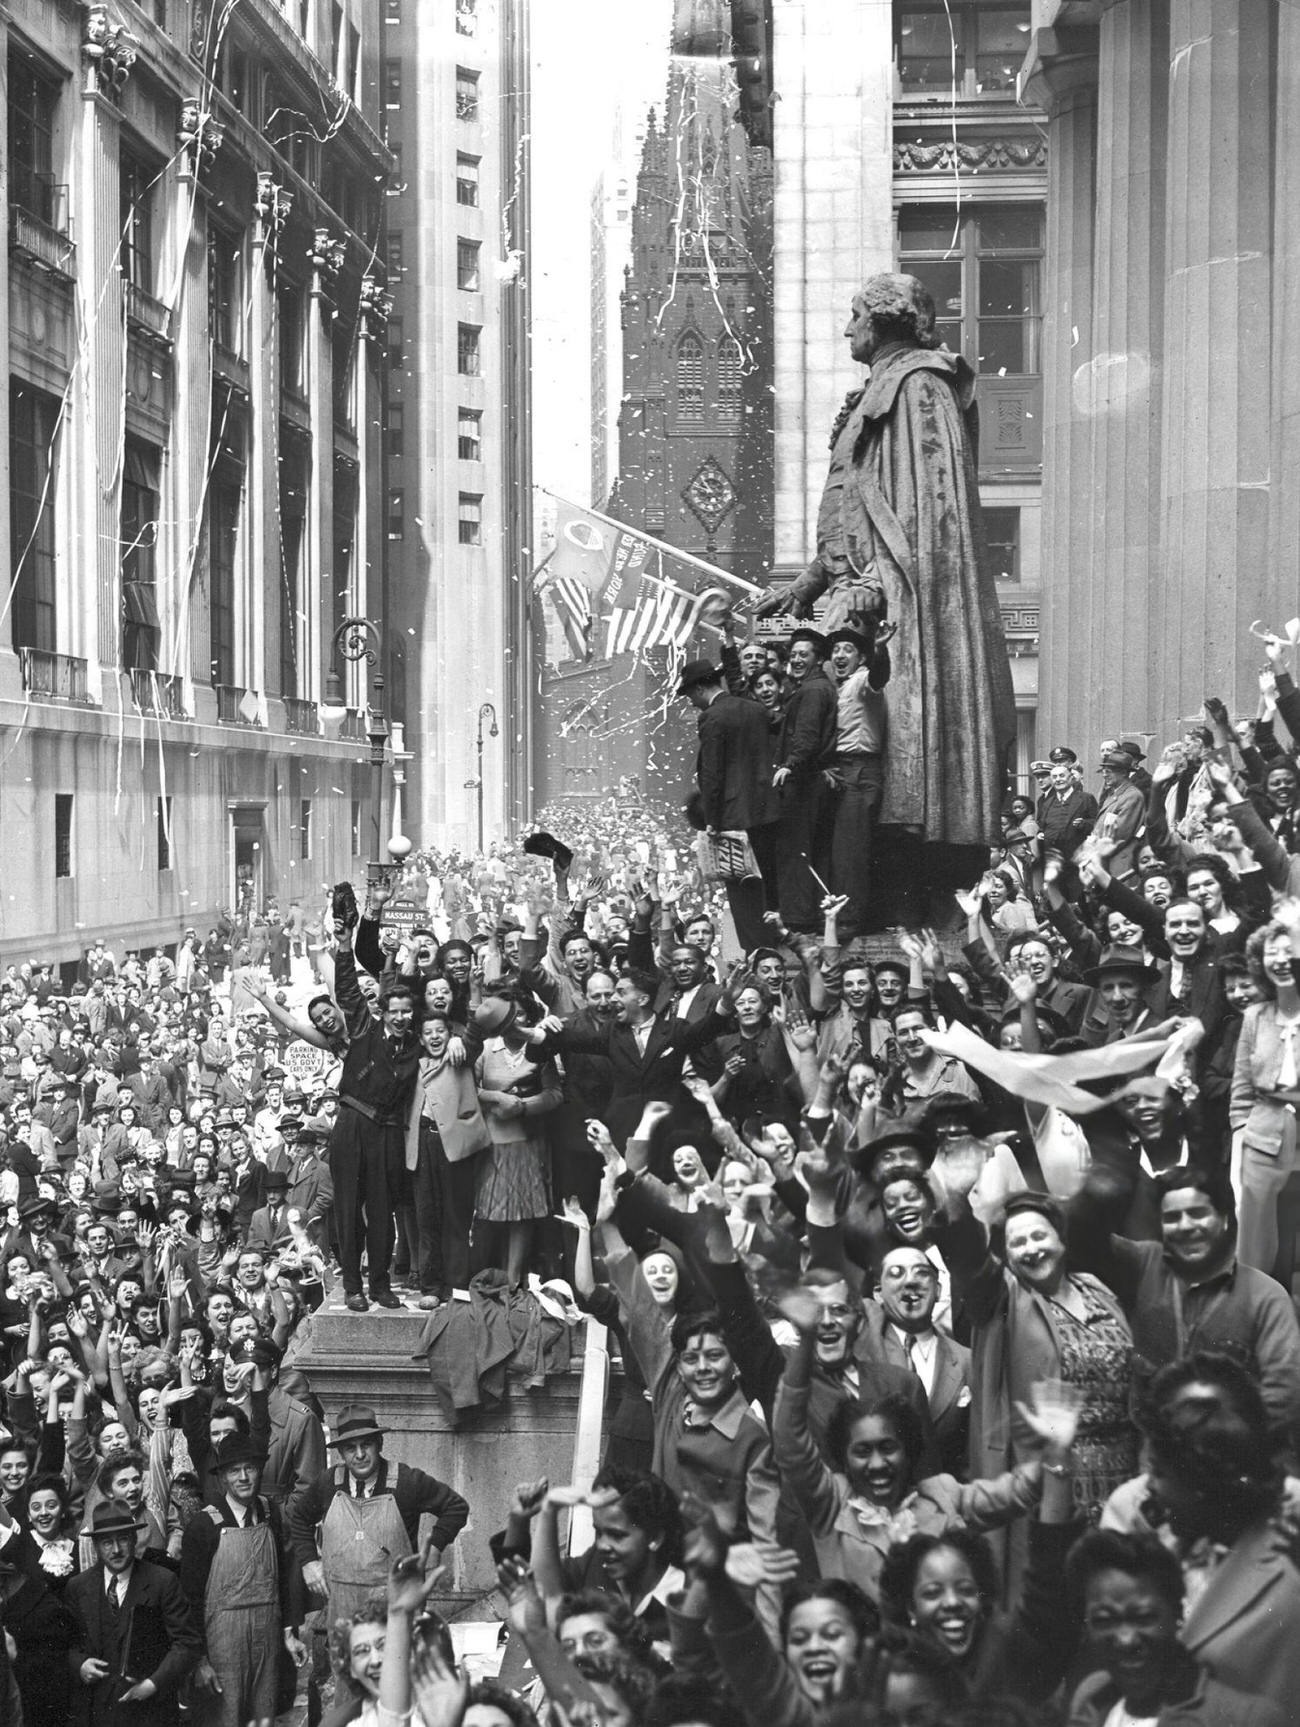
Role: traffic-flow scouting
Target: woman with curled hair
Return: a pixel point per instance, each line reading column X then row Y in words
column 591, row 1622
column 1215, row 1492
column 1128, row 1590
column 871, row 1496
column 1036, row 1319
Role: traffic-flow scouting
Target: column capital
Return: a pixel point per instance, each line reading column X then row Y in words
column 272, row 205
column 325, row 254
column 376, row 309
column 108, row 49
column 198, row 134
column 1060, row 64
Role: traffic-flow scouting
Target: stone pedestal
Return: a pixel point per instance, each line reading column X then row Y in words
column 367, row 1358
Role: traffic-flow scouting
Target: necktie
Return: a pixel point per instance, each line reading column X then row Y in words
column 116, row 1592
column 909, row 1349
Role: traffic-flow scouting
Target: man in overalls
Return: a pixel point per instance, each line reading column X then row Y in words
column 351, row 1523
column 244, row 1585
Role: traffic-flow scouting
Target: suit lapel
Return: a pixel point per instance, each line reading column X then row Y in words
column 1250, row 1569
column 947, row 1378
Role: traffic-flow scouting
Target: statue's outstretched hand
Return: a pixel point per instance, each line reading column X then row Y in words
column 784, row 603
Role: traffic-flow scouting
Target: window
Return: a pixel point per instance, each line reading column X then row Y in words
column 467, row 264
column 62, row 835
column 353, row 85
column 984, row 270
column 730, row 378
column 135, row 252
column 33, row 457
column 470, row 525
column 393, row 252
column 225, row 269
column 467, row 180
column 141, row 485
column 336, row 43
column 223, row 539
column 392, row 83
column 690, row 378
column 466, row 94
column 356, row 827
column 467, row 349
column 304, row 830
column 979, row 47
column 344, row 539
column 164, row 822
column 466, row 17
column 290, row 300
column 392, row 11
column 32, row 103
column 1002, row 539
column 396, row 344
column 396, row 513
column 469, row 430
column 396, row 430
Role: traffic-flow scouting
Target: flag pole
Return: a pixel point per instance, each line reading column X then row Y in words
column 650, row 540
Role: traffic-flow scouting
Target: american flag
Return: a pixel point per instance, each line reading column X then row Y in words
column 573, row 604
column 653, row 612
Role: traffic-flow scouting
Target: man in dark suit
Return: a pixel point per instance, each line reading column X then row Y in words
column 899, row 1329
column 1066, row 812
column 805, row 748
column 646, row 1050
column 733, row 773
column 137, row 1638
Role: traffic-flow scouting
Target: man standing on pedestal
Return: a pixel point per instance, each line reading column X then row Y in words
column 733, row 772
column 805, row 745
column 367, row 1154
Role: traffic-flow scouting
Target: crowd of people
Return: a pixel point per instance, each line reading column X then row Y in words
column 949, row 1271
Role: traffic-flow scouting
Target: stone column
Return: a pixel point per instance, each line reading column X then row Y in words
column 1063, row 81
column 270, row 208
column 1215, row 469
column 325, row 256
column 1279, row 581
column 834, row 226
column 1116, row 394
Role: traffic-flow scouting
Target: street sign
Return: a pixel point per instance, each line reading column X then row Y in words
column 303, row 1060
column 402, row 915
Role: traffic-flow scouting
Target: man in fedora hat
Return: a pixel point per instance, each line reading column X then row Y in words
column 1120, row 1008
column 733, row 773
column 1121, row 813
column 136, row 1640
column 364, row 1514
column 244, row 1586
column 268, row 1226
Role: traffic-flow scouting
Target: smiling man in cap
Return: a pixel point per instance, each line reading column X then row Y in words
column 805, row 747
column 1121, row 813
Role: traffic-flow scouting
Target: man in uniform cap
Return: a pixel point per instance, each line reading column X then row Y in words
column 733, row 772
column 805, row 747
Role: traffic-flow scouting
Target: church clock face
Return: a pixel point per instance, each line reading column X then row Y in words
column 710, row 494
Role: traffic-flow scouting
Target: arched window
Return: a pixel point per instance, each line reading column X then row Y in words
column 690, row 378
column 729, row 379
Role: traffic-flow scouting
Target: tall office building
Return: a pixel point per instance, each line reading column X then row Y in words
column 193, row 304
column 459, row 509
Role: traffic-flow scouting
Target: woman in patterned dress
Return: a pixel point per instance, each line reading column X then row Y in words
column 1033, row 1319
column 515, row 1092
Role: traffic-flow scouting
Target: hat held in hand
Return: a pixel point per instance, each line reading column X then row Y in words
column 544, row 845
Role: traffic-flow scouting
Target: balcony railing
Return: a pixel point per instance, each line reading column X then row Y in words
column 157, row 693
column 52, row 677
column 148, row 313
column 301, row 716
column 38, row 218
column 235, row 705
column 352, row 726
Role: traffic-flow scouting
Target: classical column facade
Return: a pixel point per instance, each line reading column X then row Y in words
column 1283, row 562
column 833, row 163
column 1215, row 439
column 1063, row 82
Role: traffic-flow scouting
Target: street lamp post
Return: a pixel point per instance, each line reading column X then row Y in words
column 358, row 639
column 487, row 711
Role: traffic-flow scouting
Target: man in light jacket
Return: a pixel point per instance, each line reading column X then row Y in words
column 445, row 1130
